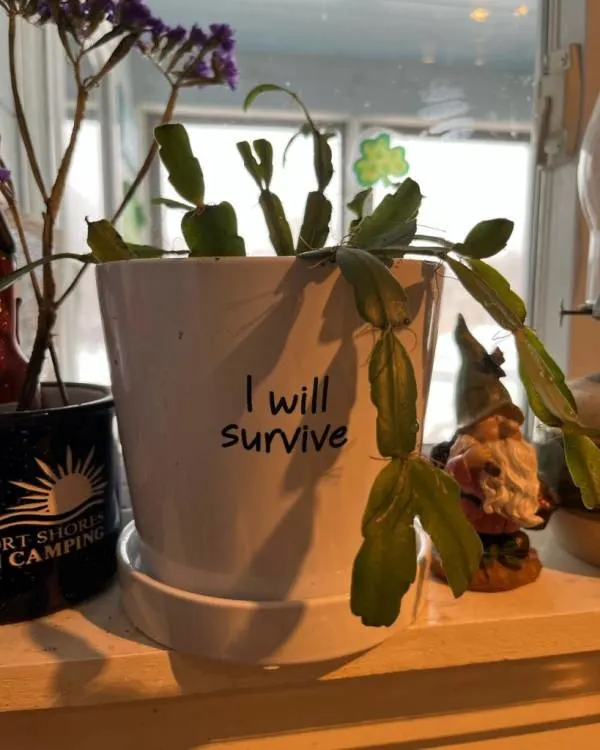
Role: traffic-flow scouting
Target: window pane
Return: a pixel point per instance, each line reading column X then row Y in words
column 87, row 361
column 226, row 179
column 466, row 181
column 79, row 339
column 450, row 80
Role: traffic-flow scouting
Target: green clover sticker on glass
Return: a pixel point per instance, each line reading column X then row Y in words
column 379, row 161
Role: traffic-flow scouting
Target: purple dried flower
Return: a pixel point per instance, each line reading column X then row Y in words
column 223, row 34
column 134, row 14
column 202, row 70
column 176, row 35
column 99, row 8
column 226, row 66
column 110, row 9
column 4, row 175
column 86, row 15
column 44, row 14
column 157, row 27
column 197, row 36
column 167, row 45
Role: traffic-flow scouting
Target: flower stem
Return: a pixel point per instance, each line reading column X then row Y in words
column 46, row 320
column 16, row 216
column 143, row 171
column 57, row 193
column 72, row 285
column 19, row 110
column 48, row 307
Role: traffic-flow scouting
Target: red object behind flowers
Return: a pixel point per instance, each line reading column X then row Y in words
column 13, row 364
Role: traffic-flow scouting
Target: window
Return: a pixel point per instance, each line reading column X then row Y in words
column 226, row 179
column 80, row 317
column 452, row 86
column 79, row 339
column 464, row 180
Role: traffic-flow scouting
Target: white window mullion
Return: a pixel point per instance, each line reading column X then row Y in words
column 35, row 51
column 554, row 231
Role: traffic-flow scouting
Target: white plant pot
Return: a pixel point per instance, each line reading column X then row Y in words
column 239, row 552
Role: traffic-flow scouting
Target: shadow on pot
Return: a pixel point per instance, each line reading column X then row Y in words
column 292, row 538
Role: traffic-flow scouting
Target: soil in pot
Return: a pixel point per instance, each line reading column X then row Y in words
column 59, row 510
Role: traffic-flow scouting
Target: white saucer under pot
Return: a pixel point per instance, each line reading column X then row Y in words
column 273, row 633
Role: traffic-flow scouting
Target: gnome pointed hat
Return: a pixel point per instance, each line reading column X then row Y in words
column 479, row 393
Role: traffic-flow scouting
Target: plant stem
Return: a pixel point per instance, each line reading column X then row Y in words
column 72, row 285
column 56, row 367
column 47, row 310
column 19, row 110
column 46, row 320
column 14, row 211
column 56, row 195
column 143, row 171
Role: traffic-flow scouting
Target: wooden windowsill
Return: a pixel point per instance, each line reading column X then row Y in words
column 92, row 655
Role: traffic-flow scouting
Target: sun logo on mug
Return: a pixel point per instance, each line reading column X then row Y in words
column 63, row 489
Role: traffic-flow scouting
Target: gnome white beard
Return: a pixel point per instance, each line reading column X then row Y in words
column 515, row 492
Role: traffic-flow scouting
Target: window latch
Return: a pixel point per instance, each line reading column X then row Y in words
column 559, row 108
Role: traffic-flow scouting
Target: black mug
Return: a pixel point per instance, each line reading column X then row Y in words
column 59, row 504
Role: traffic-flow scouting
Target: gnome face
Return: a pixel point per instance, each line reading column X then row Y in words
column 501, row 468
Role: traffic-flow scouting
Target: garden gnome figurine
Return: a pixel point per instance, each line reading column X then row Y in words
column 496, row 469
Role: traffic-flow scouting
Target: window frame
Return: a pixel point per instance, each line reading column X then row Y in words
column 554, row 231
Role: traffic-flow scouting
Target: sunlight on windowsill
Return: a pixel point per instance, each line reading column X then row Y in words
column 558, row 615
